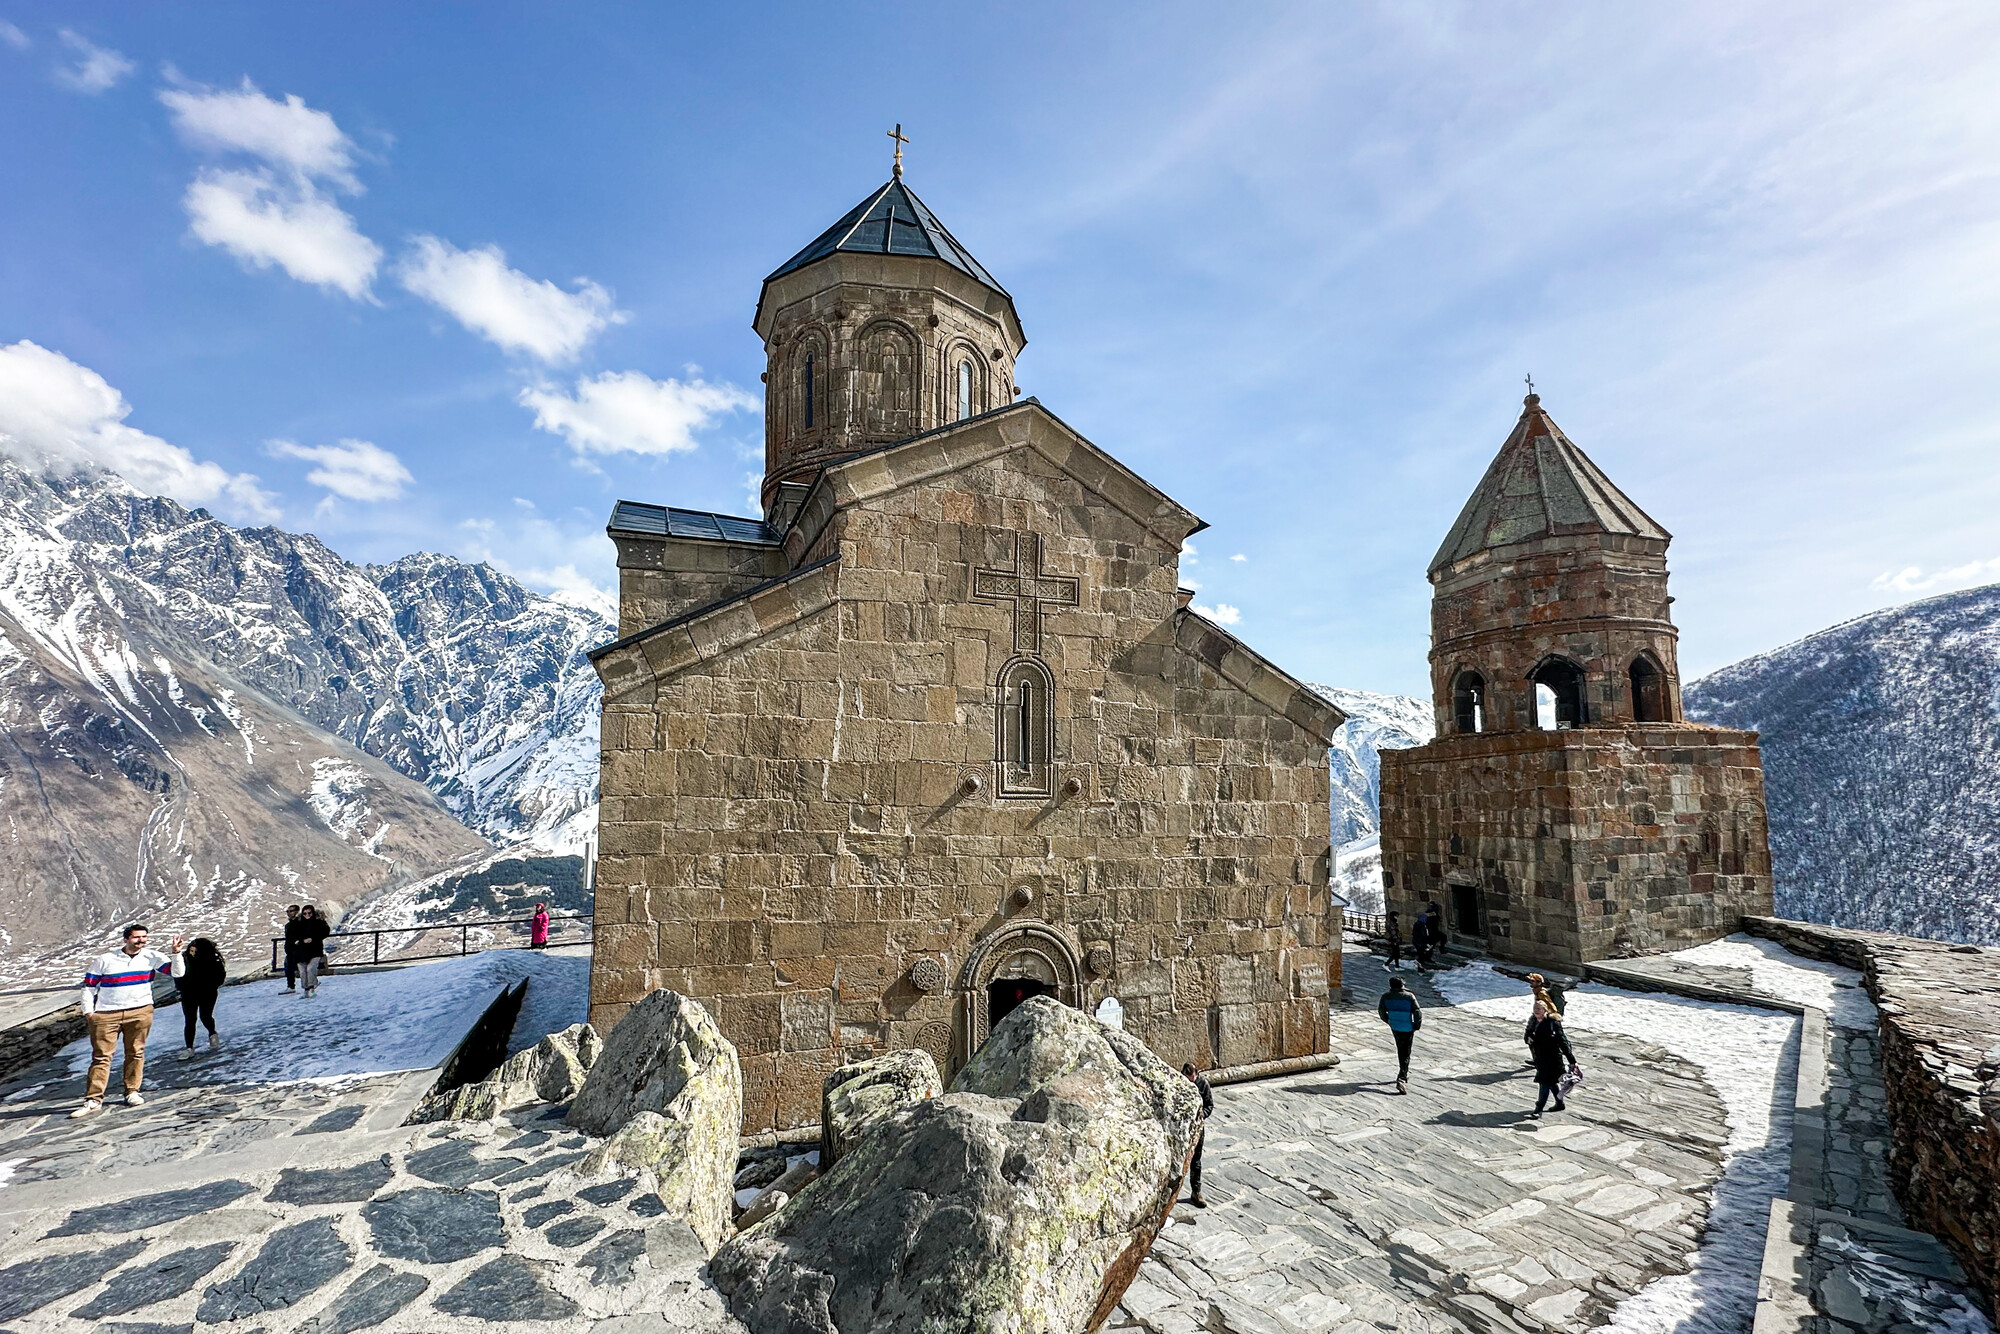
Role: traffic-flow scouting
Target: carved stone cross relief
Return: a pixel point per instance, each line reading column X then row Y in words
column 1027, row 588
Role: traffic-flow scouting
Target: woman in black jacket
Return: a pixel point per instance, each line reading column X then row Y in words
column 198, row 987
column 1553, row 1059
column 313, row 931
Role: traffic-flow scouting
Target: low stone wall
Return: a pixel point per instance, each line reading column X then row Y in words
column 45, row 1035
column 1940, row 1034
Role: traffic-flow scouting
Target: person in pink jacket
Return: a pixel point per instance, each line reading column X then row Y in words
column 538, row 928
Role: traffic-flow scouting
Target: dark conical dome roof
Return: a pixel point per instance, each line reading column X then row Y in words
column 1541, row 485
column 891, row 221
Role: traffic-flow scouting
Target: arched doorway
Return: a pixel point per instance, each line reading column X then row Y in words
column 1558, row 687
column 1012, row 964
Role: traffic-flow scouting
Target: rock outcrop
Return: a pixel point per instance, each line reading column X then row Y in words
column 1023, row 1199
column 857, row 1095
column 553, row 1070
column 667, row 1091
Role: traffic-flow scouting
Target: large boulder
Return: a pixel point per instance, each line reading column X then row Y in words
column 552, row 1070
column 858, row 1094
column 668, row 1093
column 1024, row 1199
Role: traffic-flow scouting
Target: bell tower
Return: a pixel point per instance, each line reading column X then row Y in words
column 1567, row 811
column 883, row 328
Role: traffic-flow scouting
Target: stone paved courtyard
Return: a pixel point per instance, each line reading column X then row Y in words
column 1337, row 1205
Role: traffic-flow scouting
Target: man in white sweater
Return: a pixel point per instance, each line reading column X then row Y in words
column 118, row 1003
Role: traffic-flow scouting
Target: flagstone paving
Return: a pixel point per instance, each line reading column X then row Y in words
column 1336, row 1205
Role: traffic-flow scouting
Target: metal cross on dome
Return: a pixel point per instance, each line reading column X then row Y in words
column 1027, row 587
column 901, row 139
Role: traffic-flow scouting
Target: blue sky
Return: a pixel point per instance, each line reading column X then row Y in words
column 457, row 277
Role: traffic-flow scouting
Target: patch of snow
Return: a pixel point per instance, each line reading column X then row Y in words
column 1357, row 874
column 1750, row 1057
column 1778, row 972
column 361, row 1024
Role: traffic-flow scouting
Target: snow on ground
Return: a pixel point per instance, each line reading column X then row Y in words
column 1778, row 971
column 1750, row 1056
column 359, row 1024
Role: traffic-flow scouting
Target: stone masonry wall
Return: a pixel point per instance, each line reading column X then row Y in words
column 1584, row 844
column 787, row 833
column 659, row 579
column 1940, row 1034
column 1599, row 601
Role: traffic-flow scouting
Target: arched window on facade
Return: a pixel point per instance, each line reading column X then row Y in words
column 806, row 386
column 1025, row 734
column 1468, row 703
column 1649, row 691
column 888, row 387
column 1559, row 700
column 808, row 411
column 967, row 405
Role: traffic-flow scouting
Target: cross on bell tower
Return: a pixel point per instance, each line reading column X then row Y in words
column 901, row 139
column 1027, row 588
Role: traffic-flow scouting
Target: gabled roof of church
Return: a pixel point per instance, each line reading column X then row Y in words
column 891, row 221
column 1541, row 485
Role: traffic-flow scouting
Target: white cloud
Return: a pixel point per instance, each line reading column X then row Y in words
column 1913, row 580
column 1239, row 556
column 97, row 68
column 287, row 134
column 352, row 469
column 506, row 306
column 280, row 213
column 13, row 36
column 1221, row 613
column 627, row 412
column 265, row 221
column 55, row 413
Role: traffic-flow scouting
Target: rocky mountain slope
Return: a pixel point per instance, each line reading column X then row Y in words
column 1375, row 723
column 1881, row 742
column 200, row 722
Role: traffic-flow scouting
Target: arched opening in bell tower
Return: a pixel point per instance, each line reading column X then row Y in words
column 1468, row 703
column 1649, row 691
column 1558, row 685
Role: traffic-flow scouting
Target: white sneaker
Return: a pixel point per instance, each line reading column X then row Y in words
column 215, row 1042
column 185, row 1053
column 91, row 1107
column 135, row 1099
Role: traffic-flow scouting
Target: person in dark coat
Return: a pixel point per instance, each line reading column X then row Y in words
column 292, row 947
column 1394, row 932
column 199, row 987
column 1200, row 1133
column 1553, row 1059
column 1400, row 1011
column 1420, row 940
column 313, row 931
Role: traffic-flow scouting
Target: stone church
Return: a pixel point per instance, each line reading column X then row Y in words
column 938, row 730
column 1567, row 811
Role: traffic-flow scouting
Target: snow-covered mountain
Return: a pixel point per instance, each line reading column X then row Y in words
column 1375, row 723
column 1881, row 742
column 199, row 722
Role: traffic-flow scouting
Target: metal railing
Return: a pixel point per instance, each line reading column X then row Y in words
column 1365, row 924
column 404, row 938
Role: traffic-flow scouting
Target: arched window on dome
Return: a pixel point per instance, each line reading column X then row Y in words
column 806, row 386
column 1024, row 740
column 1468, row 703
column 1559, row 703
column 1649, row 691
column 965, row 406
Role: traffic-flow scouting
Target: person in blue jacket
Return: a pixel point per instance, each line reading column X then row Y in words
column 1400, row 1011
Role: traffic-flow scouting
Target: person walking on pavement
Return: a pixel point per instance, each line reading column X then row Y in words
column 199, row 986
column 1420, row 940
column 291, row 947
column 1200, row 1132
column 1394, row 932
column 313, row 931
column 1553, row 1057
column 1400, row 1011
column 118, row 1004
column 538, row 928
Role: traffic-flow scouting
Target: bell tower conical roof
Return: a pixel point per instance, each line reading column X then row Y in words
column 891, row 221
column 1541, row 485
